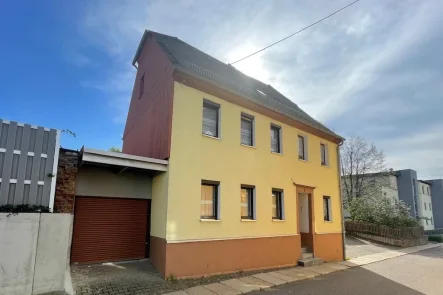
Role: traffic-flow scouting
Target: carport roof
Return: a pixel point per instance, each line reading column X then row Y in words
column 93, row 156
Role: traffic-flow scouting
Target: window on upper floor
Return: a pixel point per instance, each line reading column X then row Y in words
column 423, row 189
column 327, row 216
column 277, row 204
column 211, row 119
column 426, row 222
column 142, row 85
column 302, row 148
column 209, row 204
column 247, row 199
column 324, row 154
column 247, row 130
column 427, row 188
column 432, row 221
column 425, row 205
column 276, row 146
column 430, row 206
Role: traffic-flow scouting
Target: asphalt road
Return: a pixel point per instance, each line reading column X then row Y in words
column 413, row 274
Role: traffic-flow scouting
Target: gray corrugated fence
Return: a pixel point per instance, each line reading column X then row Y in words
column 27, row 157
column 437, row 231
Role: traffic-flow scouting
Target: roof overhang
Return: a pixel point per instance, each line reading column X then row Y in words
column 140, row 47
column 124, row 161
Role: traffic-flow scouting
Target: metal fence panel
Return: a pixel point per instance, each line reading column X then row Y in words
column 28, row 164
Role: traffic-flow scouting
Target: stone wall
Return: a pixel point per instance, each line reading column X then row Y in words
column 401, row 236
column 66, row 181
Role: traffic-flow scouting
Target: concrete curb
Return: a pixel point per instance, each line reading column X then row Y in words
column 271, row 279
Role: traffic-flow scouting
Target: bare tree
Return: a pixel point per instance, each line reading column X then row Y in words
column 363, row 169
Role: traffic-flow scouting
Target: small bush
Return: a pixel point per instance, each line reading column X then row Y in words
column 23, row 209
column 385, row 212
column 438, row 239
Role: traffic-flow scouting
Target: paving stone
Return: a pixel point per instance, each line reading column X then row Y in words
column 257, row 282
column 336, row 266
column 321, row 269
column 240, row 285
column 270, row 279
column 199, row 290
column 281, row 276
column 299, row 273
column 177, row 293
column 347, row 263
column 221, row 289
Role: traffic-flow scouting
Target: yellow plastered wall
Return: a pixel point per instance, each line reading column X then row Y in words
column 159, row 204
column 195, row 157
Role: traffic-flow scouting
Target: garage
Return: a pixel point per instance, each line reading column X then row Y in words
column 112, row 211
column 110, row 229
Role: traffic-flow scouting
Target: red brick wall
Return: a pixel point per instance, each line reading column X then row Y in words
column 66, row 180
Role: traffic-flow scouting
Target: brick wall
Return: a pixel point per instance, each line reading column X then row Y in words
column 66, row 180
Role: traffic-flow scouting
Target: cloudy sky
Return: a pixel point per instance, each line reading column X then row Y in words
column 374, row 69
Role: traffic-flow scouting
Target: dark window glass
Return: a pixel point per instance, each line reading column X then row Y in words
column 142, row 85
column 275, row 139
column 327, row 208
column 210, row 119
column 301, row 147
column 247, row 135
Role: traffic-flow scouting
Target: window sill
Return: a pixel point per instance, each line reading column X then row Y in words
column 303, row 160
column 210, row 220
column 210, row 136
column 248, row 220
column 326, row 166
column 278, row 220
column 275, row 153
column 248, row 146
column 328, row 221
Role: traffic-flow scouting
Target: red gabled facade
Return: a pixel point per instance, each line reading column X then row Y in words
column 148, row 125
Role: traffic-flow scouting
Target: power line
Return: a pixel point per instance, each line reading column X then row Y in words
column 295, row 33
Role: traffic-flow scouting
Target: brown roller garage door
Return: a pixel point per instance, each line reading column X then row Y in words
column 109, row 229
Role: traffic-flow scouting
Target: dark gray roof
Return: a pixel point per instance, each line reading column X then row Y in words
column 192, row 60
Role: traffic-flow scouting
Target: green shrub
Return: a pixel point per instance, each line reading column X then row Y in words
column 385, row 212
column 438, row 239
column 23, row 209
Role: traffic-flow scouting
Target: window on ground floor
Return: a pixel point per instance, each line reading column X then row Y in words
column 247, row 202
column 209, row 203
column 327, row 216
column 277, row 204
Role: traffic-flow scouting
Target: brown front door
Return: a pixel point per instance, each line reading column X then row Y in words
column 305, row 218
column 109, row 229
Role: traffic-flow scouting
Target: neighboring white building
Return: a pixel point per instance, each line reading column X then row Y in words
column 425, row 207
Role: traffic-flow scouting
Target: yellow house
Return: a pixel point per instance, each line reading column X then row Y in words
column 252, row 180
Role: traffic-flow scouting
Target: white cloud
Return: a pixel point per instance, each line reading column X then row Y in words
column 346, row 69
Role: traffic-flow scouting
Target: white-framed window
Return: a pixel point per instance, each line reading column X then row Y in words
column 425, row 205
column 430, row 206
column 247, row 130
column 303, row 147
column 327, row 210
column 211, row 119
column 423, row 189
column 324, row 154
column 210, row 200
column 427, row 188
column 278, row 204
column 247, row 201
column 426, row 222
column 276, row 136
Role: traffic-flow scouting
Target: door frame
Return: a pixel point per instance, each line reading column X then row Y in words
column 311, row 200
